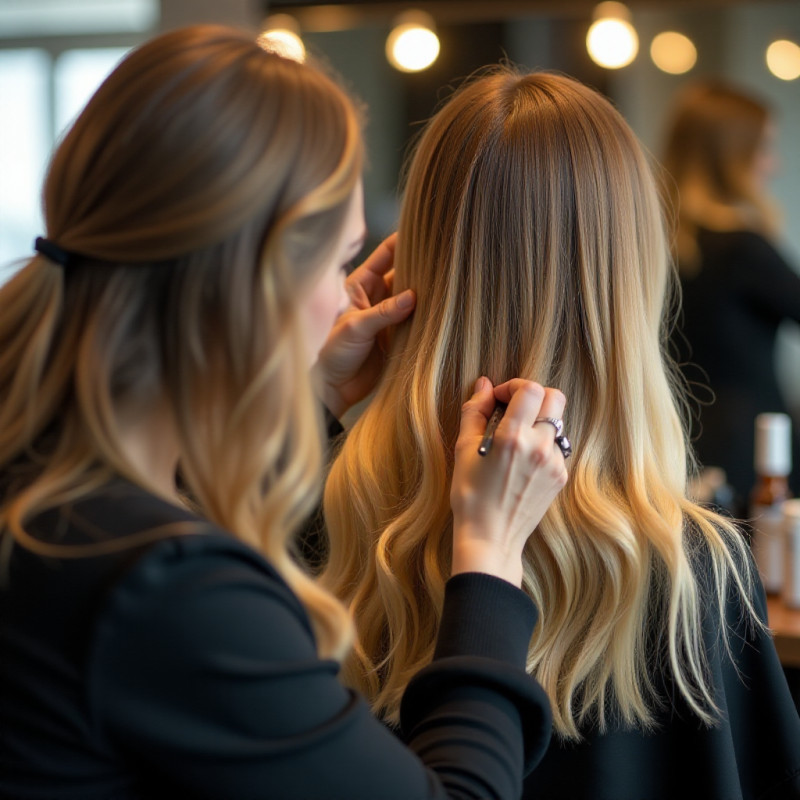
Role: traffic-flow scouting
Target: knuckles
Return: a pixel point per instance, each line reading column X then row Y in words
column 539, row 455
column 534, row 390
column 386, row 307
column 467, row 406
column 350, row 324
column 517, row 443
column 558, row 396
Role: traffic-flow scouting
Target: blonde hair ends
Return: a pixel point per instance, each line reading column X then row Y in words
column 532, row 232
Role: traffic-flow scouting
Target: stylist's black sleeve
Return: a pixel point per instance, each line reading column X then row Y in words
column 204, row 674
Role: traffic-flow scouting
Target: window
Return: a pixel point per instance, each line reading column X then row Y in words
column 43, row 86
column 35, row 118
column 25, row 140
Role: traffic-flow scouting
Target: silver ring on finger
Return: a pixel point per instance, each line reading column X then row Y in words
column 558, row 424
column 564, row 446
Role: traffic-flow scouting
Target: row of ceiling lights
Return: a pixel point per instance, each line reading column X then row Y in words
column 412, row 44
column 612, row 42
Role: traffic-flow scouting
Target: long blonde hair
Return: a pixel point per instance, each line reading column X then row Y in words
column 199, row 192
column 532, row 232
column 713, row 136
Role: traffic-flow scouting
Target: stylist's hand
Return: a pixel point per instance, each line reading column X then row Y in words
column 352, row 358
column 499, row 499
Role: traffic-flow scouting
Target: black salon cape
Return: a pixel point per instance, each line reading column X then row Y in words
column 186, row 668
column 753, row 753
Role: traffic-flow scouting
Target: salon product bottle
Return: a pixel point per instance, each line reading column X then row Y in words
column 790, row 591
column 773, row 463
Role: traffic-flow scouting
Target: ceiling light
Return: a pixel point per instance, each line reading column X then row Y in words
column 783, row 59
column 673, row 52
column 413, row 45
column 612, row 41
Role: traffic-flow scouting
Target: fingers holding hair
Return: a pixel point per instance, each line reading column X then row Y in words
column 498, row 500
column 370, row 289
column 353, row 358
column 371, row 283
column 539, row 408
column 475, row 413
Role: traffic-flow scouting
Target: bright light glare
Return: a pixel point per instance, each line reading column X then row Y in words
column 412, row 48
column 783, row 59
column 612, row 43
column 284, row 43
column 673, row 52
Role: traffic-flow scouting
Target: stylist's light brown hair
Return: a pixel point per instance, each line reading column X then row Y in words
column 202, row 188
column 713, row 136
column 532, row 233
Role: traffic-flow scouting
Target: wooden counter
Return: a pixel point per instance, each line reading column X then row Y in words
column 785, row 624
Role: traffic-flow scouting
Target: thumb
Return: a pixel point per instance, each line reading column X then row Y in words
column 371, row 321
column 476, row 411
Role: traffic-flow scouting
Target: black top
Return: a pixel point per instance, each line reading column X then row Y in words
column 187, row 669
column 732, row 309
column 753, row 753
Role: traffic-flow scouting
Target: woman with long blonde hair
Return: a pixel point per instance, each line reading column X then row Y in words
column 738, row 287
column 164, row 643
column 532, row 233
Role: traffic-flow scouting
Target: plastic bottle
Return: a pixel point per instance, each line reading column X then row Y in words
column 790, row 591
column 773, row 464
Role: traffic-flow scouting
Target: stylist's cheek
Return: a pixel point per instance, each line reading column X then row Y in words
column 328, row 297
column 320, row 309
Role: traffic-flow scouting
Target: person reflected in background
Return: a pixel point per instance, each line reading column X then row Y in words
column 738, row 289
column 158, row 642
column 532, row 233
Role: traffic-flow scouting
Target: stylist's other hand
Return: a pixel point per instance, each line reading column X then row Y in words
column 499, row 499
column 352, row 359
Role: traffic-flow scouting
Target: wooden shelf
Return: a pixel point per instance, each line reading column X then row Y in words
column 785, row 624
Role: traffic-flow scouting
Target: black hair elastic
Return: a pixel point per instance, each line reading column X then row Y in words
column 52, row 251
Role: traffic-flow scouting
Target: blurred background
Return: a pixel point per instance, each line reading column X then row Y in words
column 54, row 53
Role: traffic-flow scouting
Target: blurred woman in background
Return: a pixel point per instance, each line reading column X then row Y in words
column 737, row 287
